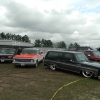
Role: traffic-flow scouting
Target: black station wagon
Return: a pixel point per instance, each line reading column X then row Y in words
column 72, row 61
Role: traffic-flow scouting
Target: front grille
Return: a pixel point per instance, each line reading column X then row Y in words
column 3, row 57
column 23, row 60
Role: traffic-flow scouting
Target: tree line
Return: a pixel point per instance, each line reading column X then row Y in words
column 73, row 46
column 37, row 43
column 49, row 43
column 9, row 36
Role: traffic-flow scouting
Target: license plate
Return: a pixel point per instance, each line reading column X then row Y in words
column 22, row 64
column 2, row 60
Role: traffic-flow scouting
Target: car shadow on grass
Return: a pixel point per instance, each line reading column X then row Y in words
column 26, row 67
column 70, row 73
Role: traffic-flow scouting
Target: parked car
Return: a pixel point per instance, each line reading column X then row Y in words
column 6, row 54
column 92, row 55
column 82, row 48
column 72, row 61
column 29, row 57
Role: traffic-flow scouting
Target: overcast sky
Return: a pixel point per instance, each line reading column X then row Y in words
column 56, row 20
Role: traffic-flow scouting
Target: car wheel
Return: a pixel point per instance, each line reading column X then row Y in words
column 36, row 64
column 52, row 66
column 87, row 73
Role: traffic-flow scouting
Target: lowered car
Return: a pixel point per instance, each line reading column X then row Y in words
column 72, row 61
column 28, row 57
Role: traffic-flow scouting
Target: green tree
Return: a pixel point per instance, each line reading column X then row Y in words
column 37, row 43
column 61, row 44
column 3, row 35
column 43, row 42
column 25, row 38
column 73, row 46
column 76, row 44
column 18, row 37
column 8, row 36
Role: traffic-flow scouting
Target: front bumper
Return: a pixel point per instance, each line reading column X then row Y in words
column 4, row 60
column 99, row 77
column 24, row 63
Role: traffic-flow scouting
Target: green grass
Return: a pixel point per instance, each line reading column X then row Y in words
column 41, row 83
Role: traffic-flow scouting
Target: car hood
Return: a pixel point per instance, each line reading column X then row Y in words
column 91, row 64
column 26, row 56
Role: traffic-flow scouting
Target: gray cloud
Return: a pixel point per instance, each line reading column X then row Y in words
column 65, row 25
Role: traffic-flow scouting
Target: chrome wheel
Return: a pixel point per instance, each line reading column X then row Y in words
column 52, row 67
column 87, row 73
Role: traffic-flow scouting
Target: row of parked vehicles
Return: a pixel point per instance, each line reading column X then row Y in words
column 27, row 56
column 85, row 62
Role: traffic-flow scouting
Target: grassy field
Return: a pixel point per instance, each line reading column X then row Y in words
column 41, row 83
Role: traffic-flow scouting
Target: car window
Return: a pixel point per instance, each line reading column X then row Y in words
column 96, row 53
column 81, row 57
column 68, row 57
column 7, row 51
column 54, row 55
column 87, row 53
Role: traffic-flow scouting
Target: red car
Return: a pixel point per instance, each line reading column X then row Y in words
column 92, row 55
column 6, row 54
column 29, row 57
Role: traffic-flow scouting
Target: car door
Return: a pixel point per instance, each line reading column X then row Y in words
column 69, row 62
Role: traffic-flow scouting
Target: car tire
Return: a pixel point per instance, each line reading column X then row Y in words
column 87, row 73
column 53, row 67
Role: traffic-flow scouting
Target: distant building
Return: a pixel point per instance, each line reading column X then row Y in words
column 15, row 44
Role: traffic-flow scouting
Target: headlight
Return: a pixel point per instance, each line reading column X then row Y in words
column 13, row 59
column 32, row 60
column 9, row 56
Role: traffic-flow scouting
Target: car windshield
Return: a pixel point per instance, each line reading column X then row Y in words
column 27, row 51
column 7, row 51
column 81, row 57
column 96, row 53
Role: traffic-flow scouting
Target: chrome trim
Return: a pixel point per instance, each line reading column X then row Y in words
column 14, row 62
